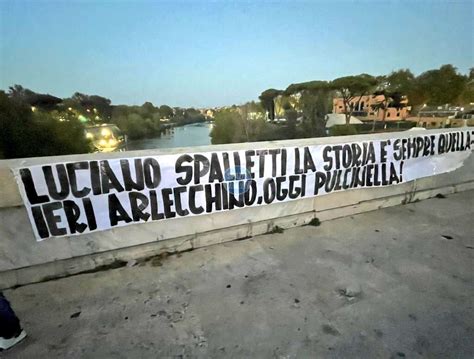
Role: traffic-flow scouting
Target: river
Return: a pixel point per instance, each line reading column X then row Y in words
column 196, row 134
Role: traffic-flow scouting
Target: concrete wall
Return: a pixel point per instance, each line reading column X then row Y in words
column 23, row 260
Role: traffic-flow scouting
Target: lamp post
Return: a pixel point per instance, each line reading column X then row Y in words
column 424, row 105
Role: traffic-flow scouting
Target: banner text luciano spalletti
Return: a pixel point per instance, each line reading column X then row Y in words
column 211, row 182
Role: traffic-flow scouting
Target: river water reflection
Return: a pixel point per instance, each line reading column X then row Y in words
column 196, row 134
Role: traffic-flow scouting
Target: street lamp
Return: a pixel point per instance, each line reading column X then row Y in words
column 421, row 109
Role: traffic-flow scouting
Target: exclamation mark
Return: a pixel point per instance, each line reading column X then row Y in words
column 401, row 171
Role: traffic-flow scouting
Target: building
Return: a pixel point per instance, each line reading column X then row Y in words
column 365, row 108
column 207, row 112
column 442, row 118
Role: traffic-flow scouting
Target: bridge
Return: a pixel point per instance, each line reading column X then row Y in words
column 375, row 265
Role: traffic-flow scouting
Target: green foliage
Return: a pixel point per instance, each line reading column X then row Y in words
column 40, row 101
column 144, row 121
column 166, row 111
column 390, row 99
column 19, row 93
column 27, row 134
column 234, row 126
column 267, row 99
column 434, row 87
column 403, row 81
column 315, row 105
column 310, row 86
column 271, row 93
column 226, row 124
column 342, row 130
column 253, row 106
column 137, row 127
column 291, row 116
column 91, row 106
column 121, row 110
column 54, row 127
column 441, row 86
column 147, row 110
column 286, row 104
column 467, row 95
column 353, row 86
column 188, row 116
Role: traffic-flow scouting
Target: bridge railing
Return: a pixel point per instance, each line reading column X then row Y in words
column 24, row 260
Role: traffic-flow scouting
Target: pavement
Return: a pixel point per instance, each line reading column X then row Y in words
column 393, row 283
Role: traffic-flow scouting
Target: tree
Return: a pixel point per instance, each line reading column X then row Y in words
column 267, row 98
column 313, row 100
column 92, row 104
column 315, row 105
column 351, row 89
column 442, row 86
column 147, row 109
column 253, row 106
column 24, row 133
column 311, row 86
column 404, row 82
column 120, row 110
column 225, row 127
column 234, row 125
column 18, row 92
column 166, row 111
column 291, row 117
column 467, row 95
column 43, row 101
column 388, row 99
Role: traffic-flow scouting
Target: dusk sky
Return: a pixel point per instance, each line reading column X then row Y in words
column 220, row 53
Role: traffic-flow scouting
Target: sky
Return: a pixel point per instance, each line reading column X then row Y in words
column 206, row 54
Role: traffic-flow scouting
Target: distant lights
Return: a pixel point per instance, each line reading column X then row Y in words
column 82, row 118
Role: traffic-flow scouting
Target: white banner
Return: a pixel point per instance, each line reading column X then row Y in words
column 74, row 198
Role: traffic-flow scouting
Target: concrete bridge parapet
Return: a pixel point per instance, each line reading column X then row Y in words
column 23, row 260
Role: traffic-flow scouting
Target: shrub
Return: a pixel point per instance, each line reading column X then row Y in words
column 27, row 134
column 342, row 130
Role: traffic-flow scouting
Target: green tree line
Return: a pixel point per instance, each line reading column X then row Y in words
column 34, row 124
column 306, row 104
column 24, row 133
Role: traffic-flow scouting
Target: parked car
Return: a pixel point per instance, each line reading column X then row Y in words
column 106, row 138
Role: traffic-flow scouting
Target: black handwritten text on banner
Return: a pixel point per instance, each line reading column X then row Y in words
column 73, row 198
